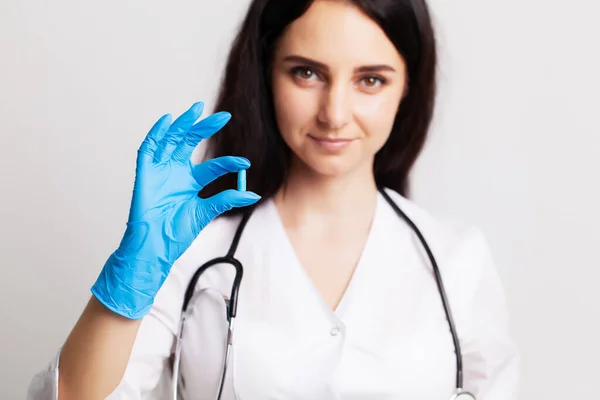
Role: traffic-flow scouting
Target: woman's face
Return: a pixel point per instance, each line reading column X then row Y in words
column 337, row 84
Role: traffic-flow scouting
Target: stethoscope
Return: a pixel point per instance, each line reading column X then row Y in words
column 231, row 304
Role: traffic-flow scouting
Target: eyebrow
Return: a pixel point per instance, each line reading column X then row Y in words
column 318, row 65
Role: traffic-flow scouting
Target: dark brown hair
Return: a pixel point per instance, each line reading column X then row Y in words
column 245, row 92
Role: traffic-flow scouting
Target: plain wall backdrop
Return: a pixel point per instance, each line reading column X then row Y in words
column 515, row 150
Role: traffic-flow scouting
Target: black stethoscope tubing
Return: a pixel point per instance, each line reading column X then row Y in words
column 239, row 270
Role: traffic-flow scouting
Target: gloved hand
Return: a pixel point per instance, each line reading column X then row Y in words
column 166, row 214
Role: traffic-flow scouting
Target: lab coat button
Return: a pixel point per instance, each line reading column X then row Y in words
column 334, row 331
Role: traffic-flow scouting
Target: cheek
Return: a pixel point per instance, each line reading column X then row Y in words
column 377, row 115
column 294, row 109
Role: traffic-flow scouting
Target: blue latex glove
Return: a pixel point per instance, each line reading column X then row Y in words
column 166, row 213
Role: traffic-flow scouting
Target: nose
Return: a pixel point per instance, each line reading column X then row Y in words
column 336, row 107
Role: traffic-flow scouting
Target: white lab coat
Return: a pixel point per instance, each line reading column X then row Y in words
column 388, row 339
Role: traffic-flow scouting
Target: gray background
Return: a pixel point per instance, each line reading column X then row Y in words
column 514, row 150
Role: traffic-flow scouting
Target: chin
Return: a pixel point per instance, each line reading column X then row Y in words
column 332, row 166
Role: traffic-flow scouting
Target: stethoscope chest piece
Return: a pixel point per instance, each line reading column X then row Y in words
column 462, row 395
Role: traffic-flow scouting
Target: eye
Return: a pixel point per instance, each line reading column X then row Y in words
column 303, row 73
column 372, row 82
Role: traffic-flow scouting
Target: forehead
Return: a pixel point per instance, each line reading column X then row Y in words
column 336, row 32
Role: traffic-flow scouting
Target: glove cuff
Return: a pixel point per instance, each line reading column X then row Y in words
column 128, row 290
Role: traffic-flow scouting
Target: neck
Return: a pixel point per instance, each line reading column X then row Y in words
column 308, row 196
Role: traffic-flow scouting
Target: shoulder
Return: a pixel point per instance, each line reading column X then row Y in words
column 456, row 244
column 452, row 231
column 464, row 259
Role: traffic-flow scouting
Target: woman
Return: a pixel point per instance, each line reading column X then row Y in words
column 330, row 101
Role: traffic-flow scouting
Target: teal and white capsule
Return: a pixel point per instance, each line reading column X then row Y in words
column 241, row 180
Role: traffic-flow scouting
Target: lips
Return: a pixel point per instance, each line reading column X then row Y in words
column 332, row 144
column 331, row 140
